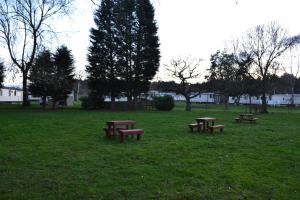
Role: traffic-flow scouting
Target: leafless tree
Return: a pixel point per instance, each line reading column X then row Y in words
column 293, row 71
column 23, row 26
column 186, row 70
column 266, row 43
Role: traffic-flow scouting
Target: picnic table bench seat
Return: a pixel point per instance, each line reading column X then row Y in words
column 123, row 133
column 220, row 127
column 195, row 125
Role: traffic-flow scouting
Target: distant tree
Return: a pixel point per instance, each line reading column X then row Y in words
column 23, row 26
column 103, row 76
column 2, row 75
column 292, row 73
column 297, row 86
column 63, row 74
column 186, row 70
column 266, row 43
column 223, row 74
column 164, row 86
column 41, row 76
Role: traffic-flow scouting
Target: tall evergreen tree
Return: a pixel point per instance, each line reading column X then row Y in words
column 102, row 53
column 124, row 52
column 41, row 76
column 127, row 27
column 1, row 73
column 147, row 48
column 63, row 73
column 139, row 55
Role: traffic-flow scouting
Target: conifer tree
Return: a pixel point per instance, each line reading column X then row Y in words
column 63, row 74
column 102, row 72
column 41, row 76
column 124, row 52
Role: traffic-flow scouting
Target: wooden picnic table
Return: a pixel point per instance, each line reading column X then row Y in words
column 206, row 121
column 113, row 125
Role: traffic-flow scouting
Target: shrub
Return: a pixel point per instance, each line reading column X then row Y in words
column 92, row 102
column 164, row 103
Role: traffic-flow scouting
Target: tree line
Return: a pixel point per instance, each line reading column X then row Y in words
column 249, row 67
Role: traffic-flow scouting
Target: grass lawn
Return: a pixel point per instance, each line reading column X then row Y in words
column 64, row 155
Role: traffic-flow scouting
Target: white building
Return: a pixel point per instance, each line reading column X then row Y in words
column 208, row 97
column 11, row 95
column 274, row 100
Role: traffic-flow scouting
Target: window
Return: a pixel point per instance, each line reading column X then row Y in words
column 210, row 96
column 15, row 92
column 0, row 92
column 9, row 93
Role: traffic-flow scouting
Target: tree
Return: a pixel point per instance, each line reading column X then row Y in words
column 23, row 26
column 63, row 75
column 186, row 70
column 1, row 73
column 41, row 76
column 139, row 48
column 266, row 43
column 223, row 74
column 292, row 75
column 102, row 52
column 124, row 54
column 147, row 55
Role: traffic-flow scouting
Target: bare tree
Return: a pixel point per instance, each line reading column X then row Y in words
column 185, row 70
column 266, row 43
column 23, row 26
column 292, row 72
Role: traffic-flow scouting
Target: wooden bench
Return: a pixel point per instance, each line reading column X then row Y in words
column 220, row 127
column 124, row 133
column 198, row 126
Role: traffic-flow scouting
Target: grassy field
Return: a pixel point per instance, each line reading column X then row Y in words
column 64, row 155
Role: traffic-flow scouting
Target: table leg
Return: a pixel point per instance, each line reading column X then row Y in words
column 204, row 126
column 114, row 131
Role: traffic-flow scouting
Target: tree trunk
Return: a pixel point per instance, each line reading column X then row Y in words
column 293, row 98
column 44, row 102
column 264, row 106
column 54, row 104
column 129, row 102
column 188, row 106
column 26, row 102
column 113, row 101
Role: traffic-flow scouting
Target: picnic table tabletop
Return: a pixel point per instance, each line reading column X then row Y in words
column 121, row 122
column 207, row 119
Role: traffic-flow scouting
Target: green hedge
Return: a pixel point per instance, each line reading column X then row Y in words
column 165, row 103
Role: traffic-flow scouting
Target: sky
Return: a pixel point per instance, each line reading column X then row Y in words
column 194, row 28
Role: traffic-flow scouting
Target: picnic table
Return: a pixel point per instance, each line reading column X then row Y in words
column 206, row 121
column 117, row 124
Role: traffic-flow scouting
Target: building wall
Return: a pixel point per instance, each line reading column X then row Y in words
column 274, row 100
column 11, row 95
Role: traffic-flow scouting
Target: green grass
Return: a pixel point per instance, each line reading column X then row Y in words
column 64, row 155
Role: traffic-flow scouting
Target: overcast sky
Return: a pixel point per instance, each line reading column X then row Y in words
column 196, row 28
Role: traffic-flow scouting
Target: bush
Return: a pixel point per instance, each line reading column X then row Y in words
column 92, row 102
column 164, row 103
